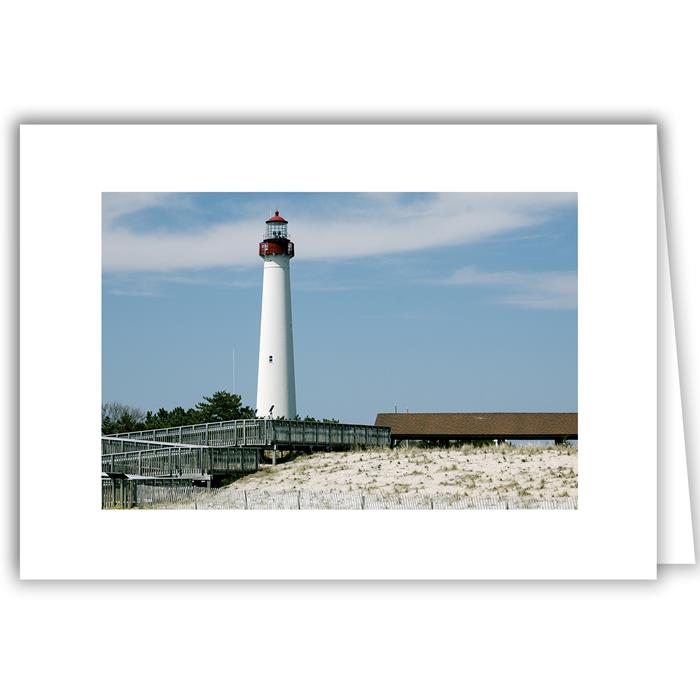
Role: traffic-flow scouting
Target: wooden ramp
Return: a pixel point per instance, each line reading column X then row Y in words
column 284, row 434
column 158, row 459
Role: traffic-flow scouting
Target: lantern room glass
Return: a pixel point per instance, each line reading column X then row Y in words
column 276, row 230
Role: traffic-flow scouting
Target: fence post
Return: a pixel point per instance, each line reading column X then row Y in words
column 245, row 499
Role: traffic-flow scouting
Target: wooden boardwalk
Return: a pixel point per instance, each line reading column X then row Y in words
column 154, row 460
column 197, row 453
column 283, row 434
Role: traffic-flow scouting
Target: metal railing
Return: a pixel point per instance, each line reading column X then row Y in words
column 178, row 461
column 266, row 433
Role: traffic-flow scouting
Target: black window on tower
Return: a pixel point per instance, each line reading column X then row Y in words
column 269, row 359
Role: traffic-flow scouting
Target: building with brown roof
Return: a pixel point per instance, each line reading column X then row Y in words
column 480, row 426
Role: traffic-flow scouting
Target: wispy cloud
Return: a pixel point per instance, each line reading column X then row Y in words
column 535, row 290
column 128, row 286
column 118, row 204
column 372, row 224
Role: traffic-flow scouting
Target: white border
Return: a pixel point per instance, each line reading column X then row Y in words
column 65, row 534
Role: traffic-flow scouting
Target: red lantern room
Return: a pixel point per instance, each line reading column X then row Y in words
column 275, row 241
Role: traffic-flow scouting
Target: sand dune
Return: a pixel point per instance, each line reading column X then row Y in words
column 494, row 471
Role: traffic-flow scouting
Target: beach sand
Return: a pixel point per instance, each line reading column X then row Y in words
column 498, row 471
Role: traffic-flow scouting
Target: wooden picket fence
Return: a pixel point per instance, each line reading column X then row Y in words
column 185, row 496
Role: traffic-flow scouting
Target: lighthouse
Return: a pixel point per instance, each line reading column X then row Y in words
column 276, row 390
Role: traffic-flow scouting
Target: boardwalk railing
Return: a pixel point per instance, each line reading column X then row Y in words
column 267, row 433
column 178, row 461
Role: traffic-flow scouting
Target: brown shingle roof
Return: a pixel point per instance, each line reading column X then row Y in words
column 479, row 425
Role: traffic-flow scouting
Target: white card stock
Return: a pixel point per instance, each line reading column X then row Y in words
column 613, row 534
column 676, row 545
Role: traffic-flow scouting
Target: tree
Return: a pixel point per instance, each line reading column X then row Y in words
column 222, row 406
column 180, row 416
column 107, row 425
column 120, row 418
column 311, row 419
column 115, row 411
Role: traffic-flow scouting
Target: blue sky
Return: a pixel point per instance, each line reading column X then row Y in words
column 427, row 301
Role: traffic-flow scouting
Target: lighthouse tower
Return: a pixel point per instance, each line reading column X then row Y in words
column 276, row 391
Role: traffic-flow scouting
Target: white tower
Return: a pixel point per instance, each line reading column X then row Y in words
column 276, row 391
